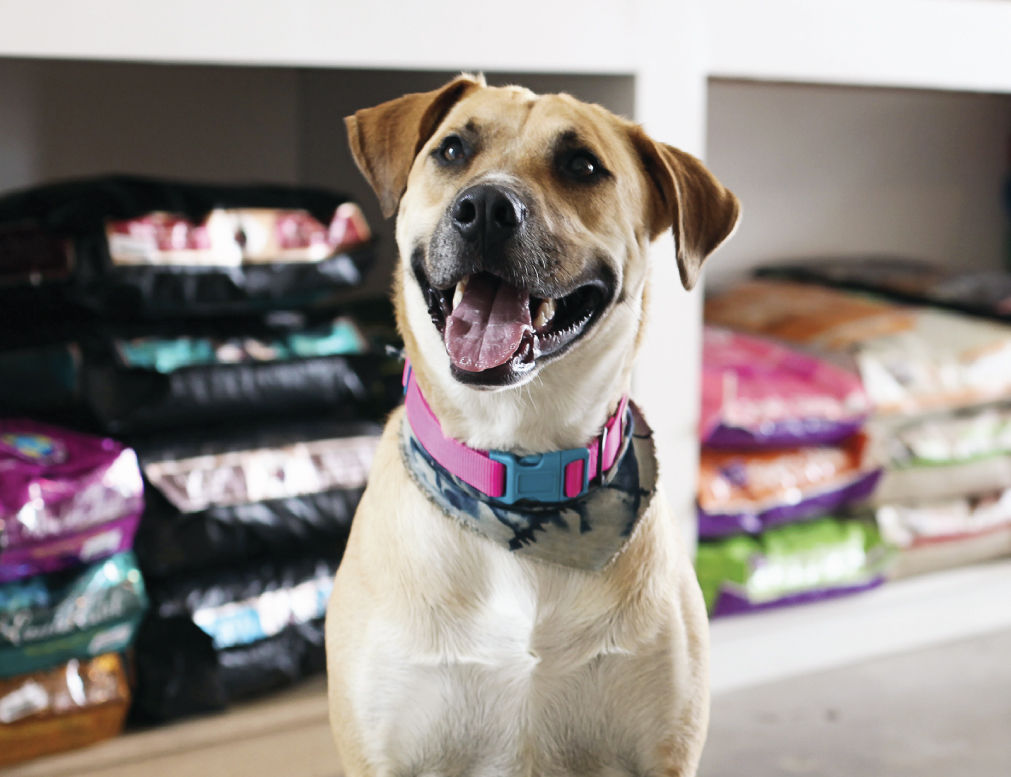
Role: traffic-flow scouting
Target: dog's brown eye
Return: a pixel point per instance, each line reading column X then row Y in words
column 452, row 150
column 582, row 166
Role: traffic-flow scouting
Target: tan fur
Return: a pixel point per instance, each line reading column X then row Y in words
column 447, row 654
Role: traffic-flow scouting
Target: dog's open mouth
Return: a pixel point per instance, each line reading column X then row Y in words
column 495, row 332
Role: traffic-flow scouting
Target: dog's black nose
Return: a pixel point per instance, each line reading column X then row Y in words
column 487, row 214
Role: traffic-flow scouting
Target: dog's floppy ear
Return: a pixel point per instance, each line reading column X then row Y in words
column 688, row 199
column 386, row 139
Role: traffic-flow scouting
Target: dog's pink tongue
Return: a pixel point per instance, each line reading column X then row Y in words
column 485, row 329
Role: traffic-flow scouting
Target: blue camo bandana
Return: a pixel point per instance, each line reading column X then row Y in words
column 583, row 533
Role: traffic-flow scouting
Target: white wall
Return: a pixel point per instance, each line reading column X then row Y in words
column 19, row 118
column 849, row 170
column 60, row 119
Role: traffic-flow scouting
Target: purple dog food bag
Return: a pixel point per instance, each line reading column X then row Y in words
column 65, row 498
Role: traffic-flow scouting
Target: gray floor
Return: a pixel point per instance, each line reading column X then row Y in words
column 941, row 712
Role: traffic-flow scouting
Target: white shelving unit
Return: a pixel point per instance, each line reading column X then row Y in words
column 898, row 616
column 257, row 88
column 919, row 44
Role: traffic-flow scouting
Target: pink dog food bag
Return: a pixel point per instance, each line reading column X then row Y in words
column 65, row 498
column 756, row 394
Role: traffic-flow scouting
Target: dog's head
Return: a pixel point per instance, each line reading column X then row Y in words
column 523, row 224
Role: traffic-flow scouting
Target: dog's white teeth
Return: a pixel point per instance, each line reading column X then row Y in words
column 545, row 312
column 461, row 287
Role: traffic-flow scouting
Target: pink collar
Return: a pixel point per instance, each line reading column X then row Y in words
column 553, row 476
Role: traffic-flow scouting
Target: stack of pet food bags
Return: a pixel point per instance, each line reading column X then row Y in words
column 71, row 594
column 210, row 328
column 783, row 455
column 946, row 496
column 940, row 383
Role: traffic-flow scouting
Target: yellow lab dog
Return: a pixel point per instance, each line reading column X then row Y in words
column 515, row 600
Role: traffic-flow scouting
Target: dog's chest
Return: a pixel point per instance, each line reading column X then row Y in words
column 529, row 682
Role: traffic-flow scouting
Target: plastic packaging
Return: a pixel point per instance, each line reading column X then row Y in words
column 179, row 672
column 910, row 360
column 69, row 706
column 128, row 400
column 931, row 536
column 166, row 354
column 245, row 603
column 170, row 542
column 756, row 393
column 750, row 491
column 791, row 564
column 126, row 247
column 129, row 379
column 65, row 498
column 221, row 635
column 943, row 456
column 50, row 619
column 925, row 523
column 263, row 491
column 261, row 461
column 233, row 236
column 979, row 292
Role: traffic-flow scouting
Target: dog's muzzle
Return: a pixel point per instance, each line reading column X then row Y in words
column 489, row 278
